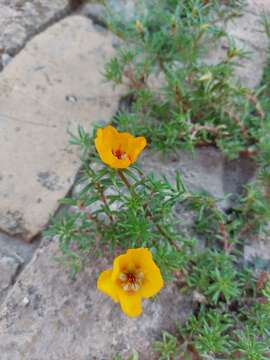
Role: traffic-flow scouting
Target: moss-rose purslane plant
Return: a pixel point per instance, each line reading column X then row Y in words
column 119, row 207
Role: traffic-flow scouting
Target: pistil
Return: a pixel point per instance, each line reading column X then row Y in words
column 131, row 281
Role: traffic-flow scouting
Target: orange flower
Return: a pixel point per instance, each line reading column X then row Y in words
column 134, row 276
column 118, row 150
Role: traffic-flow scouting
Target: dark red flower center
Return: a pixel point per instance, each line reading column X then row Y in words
column 118, row 153
column 131, row 281
column 121, row 155
column 131, row 278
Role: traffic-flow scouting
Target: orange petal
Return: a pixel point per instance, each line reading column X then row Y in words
column 120, row 164
column 139, row 143
column 107, row 285
column 125, row 142
column 140, row 256
column 109, row 133
column 131, row 145
column 120, row 262
column 130, row 303
column 103, row 143
column 153, row 282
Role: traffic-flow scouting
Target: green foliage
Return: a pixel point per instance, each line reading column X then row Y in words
column 121, row 208
column 237, row 330
column 178, row 98
column 193, row 103
column 249, row 347
column 220, row 282
column 167, row 347
column 126, row 209
column 226, row 307
column 133, row 356
column 210, row 331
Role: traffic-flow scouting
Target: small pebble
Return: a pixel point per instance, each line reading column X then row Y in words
column 71, row 98
column 26, row 301
column 5, row 58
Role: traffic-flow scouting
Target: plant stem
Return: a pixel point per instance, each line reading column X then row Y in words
column 104, row 200
column 101, row 192
column 124, row 179
column 148, row 213
column 237, row 120
column 96, row 220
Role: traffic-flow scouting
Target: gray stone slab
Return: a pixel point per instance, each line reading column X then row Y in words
column 14, row 254
column 258, row 6
column 248, row 34
column 9, row 267
column 207, row 171
column 20, row 19
column 257, row 250
column 52, row 86
column 96, row 10
column 49, row 316
column 17, row 248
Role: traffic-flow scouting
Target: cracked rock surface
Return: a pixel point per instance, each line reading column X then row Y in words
column 207, row 171
column 20, row 19
column 14, row 254
column 53, row 85
column 59, row 318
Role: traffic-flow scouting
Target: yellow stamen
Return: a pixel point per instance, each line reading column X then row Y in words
column 122, row 277
column 131, row 281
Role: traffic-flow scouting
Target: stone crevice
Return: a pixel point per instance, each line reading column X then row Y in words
column 31, row 30
column 14, row 255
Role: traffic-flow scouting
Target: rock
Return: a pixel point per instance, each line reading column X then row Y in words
column 125, row 8
column 248, row 29
column 257, row 6
column 236, row 174
column 260, row 249
column 201, row 172
column 38, row 165
column 257, row 252
column 8, row 269
column 69, row 319
column 5, row 59
column 26, row 301
column 248, row 34
column 96, row 11
column 19, row 20
column 14, row 254
column 17, row 249
column 207, row 170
